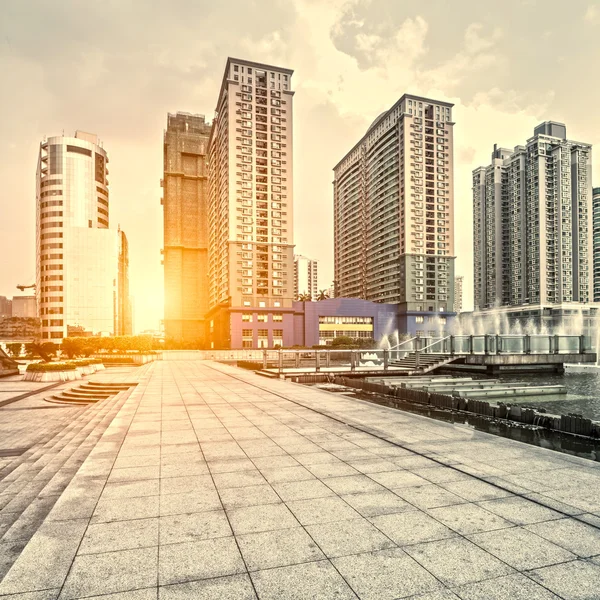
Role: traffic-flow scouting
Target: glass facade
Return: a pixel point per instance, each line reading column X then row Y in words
column 77, row 255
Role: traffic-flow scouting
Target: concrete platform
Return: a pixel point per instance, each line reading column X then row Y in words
column 207, row 481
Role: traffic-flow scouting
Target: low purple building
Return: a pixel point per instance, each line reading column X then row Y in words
column 319, row 323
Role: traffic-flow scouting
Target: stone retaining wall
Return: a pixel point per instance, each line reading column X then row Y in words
column 572, row 424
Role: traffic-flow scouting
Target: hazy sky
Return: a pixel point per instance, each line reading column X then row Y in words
column 117, row 67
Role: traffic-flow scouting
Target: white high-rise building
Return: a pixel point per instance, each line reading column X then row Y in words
column 306, row 277
column 250, row 209
column 77, row 266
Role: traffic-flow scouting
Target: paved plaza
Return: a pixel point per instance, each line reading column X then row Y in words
column 211, row 482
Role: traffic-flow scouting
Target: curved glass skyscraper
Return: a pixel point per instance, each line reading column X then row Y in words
column 77, row 271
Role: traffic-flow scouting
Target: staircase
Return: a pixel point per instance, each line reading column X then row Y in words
column 88, row 393
column 427, row 362
column 32, row 483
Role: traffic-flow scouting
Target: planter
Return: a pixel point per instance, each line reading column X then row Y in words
column 87, row 370
column 50, row 376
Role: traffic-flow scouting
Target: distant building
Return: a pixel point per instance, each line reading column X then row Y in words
column 185, row 209
column 596, row 227
column 305, row 277
column 77, row 253
column 319, row 323
column 250, row 209
column 5, row 307
column 123, row 312
column 533, row 223
column 458, row 293
column 394, row 212
column 24, row 307
column 19, row 328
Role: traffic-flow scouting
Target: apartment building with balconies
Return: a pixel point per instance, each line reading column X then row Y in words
column 306, row 277
column 596, row 226
column 532, row 223
column 185, row 211
column 250, row 209
column 394, row 212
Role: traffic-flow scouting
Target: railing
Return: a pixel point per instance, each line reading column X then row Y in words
column 397, row 354
column 364, row 360
column 506, row 344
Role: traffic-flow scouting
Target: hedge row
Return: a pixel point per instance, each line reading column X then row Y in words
column 70, row 365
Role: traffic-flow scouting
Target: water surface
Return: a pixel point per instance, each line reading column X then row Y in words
column 583, row 393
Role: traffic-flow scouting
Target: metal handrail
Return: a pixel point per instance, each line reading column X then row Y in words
column 402, row 343
column 434, row 343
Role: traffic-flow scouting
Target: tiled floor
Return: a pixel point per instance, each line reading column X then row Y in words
column 214, row 483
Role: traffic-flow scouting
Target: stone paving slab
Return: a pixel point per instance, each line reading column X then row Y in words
column 214, row 483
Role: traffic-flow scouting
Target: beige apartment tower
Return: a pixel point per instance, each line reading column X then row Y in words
column 185, row 209
column 250, row 218
column 394, row 213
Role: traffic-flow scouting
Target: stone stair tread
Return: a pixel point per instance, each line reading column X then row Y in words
column 44, row 475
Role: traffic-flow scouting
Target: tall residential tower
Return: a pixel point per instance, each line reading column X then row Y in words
column 250, row 218
column 185, row 209
column 596, row 225
column 77, row 254
column 393, row 212
column 532, row 228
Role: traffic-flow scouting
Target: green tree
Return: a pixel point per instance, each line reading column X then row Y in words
column 365, row 343
column 304, row 297
column 323, row 295
column 343, row 340
column 14, row 348
column 72, row 346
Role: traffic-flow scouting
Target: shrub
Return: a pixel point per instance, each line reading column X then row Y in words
column 51, row 367
column 72, row 346
column 115, row 360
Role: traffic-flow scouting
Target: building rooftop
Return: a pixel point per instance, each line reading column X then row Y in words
column 385, row 113
column 256, row 65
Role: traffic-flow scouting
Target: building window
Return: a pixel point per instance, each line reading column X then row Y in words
column 79, row 150
column 262, row 318
column 419, row 319
column 277, row 317
column 247, row 333
column 247, row 318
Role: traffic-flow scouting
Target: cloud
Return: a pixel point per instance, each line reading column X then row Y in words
column 592, row 13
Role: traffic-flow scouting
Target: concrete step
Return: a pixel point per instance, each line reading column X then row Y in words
column 67, row 400
column 88, row 393
column 31, row 457
column 42, row 483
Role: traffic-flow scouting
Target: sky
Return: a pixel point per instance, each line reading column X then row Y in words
column 116, row 68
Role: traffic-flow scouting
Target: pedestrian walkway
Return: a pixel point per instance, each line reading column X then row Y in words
column 207, row 481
